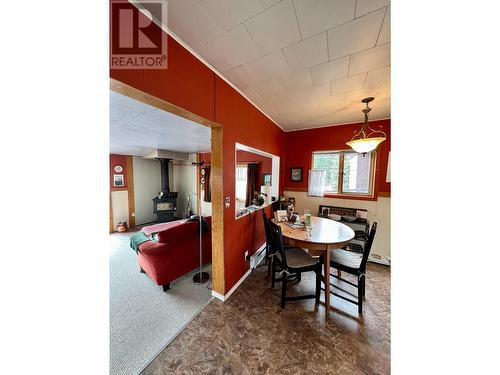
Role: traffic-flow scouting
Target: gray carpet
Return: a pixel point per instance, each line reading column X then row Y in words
column 143, row 318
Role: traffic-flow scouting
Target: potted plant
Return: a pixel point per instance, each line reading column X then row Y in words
column 121, row 226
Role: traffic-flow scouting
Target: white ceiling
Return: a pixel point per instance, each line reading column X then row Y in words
column 305, row 63
column 137, row 128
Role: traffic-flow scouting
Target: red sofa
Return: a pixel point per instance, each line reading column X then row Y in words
column 176, row 252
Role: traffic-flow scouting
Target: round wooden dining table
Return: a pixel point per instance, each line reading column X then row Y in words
column 325, row 235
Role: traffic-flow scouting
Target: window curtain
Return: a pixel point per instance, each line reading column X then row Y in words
column 208, row 187
column 316, row 186
column 251, row 186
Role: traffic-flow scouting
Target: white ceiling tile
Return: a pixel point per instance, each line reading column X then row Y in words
column 320, row 15
column 253, row 95
column 268, row 3
column 385, row 32
column 320, row 90
column 296, row 80
column 330, row 70
column 228, row 13
column 268, row 88
column 236, row 47
column 381, row 92
column 268, row 67
column 239, row 76
column 275, row 27
column 356, row 35
column 347, row 84
column 283, row 69
column 366, row 6
column 370, row 59
column 380, row 109
column 206, row 51
column 308, row 94
column 307, row 53
column 190, row 22
column 332, row 100
column 144, row 128
column 378, row 77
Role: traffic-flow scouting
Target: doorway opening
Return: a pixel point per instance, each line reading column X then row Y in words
column 160, row 189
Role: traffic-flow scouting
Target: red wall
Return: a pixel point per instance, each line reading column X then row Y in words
column 301, row 144
column 244, row 124
column 115, row 160
column 189, row 84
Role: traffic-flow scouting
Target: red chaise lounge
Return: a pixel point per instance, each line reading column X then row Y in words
column 176, row 251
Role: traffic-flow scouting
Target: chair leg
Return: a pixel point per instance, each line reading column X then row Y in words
column 318, row 283
column 273, row 272
column 166, row 287
column 364, row 286
column 338, row 273
column 299, row 276
column 269, row 261
column 361, row 282
column 283, row 290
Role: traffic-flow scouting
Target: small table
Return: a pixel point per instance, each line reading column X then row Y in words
column 326, row 235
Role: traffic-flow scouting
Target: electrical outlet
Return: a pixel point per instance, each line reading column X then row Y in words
column 246, row 255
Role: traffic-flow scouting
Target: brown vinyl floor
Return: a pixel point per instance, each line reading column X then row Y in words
column 251, row 334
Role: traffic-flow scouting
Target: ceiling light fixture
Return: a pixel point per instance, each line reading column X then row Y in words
column 367, row 139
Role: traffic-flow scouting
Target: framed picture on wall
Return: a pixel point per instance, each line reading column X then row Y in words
column 118, row 180
column 266, row 179
column 296, row 174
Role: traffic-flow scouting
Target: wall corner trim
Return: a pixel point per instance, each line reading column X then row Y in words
column 228, row 294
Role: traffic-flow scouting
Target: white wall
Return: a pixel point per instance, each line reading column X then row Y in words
column 206, row 207
column 147, row 184
column 119, row 206
column 379, row 211
column 184, row 182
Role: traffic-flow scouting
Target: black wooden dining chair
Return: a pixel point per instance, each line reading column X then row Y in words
column 269, row 252
column 293, row 260
column 354, row 264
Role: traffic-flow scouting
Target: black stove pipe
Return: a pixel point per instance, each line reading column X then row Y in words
column 165, row 188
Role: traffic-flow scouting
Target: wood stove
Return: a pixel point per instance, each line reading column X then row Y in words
column 165, row 204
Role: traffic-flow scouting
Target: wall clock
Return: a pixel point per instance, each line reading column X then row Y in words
column 118, row 168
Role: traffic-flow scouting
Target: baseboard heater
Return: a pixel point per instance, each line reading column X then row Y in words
column 375, row 258
column 256, row 258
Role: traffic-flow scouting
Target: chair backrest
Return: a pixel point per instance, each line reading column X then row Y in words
column 277, row 242
column 368, row 246
column 266, row 228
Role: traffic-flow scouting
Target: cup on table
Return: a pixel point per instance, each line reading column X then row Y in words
column 308, row 221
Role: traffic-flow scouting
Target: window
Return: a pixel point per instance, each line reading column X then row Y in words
column 347, row 173
column 241, row 183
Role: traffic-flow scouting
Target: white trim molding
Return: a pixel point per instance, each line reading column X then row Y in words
column 228, row 294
